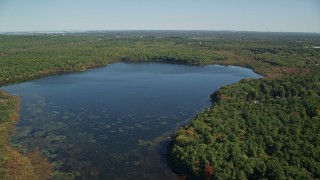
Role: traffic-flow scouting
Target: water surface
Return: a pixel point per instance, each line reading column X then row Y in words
column 111, row 122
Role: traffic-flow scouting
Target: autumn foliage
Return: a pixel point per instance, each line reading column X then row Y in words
column 208, row 171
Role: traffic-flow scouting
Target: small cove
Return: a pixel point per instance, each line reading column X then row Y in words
column 111, row 122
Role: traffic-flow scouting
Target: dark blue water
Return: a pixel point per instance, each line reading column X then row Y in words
column 113, row 122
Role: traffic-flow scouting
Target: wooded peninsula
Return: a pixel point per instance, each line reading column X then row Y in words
column 255, row 129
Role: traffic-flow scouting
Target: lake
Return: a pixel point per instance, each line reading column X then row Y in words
column 115, row 122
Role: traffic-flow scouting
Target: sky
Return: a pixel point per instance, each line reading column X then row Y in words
column 234, row 15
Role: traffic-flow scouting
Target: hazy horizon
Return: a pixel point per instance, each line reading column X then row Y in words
column 147, row 30
column 189, row 15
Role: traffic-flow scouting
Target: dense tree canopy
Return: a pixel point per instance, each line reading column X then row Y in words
column 255, row 129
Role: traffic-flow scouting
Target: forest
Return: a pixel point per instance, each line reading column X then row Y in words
column 255, row 129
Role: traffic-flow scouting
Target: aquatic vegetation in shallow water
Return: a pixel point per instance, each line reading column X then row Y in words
column 145, row 143
column 95, row 172
column 60, row 141
column 58, row 175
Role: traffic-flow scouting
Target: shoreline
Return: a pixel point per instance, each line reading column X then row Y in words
column 54, row 72
column 15, row 164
